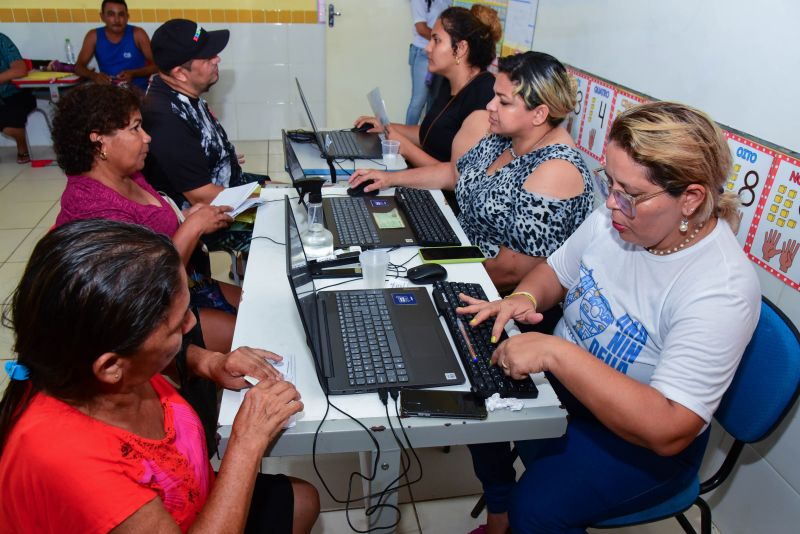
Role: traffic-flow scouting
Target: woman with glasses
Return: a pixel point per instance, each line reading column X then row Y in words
column 659, row 303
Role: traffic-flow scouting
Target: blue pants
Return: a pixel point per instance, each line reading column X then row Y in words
column 579, row 479
column 418, row 61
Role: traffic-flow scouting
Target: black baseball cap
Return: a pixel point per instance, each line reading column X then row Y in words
column 178, row 40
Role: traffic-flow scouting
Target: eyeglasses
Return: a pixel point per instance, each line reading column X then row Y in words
column 625, row 202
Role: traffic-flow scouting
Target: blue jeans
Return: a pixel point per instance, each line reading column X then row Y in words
column 579, row 479
column 418, row 61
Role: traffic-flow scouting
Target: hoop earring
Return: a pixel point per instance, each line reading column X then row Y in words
column 684, row 226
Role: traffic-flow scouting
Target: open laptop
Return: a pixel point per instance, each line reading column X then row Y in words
column 343, row 144
column 368, row 222
column 364, row 340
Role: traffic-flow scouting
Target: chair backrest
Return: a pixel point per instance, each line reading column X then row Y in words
column 767, row 382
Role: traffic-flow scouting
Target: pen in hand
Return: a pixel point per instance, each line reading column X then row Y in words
column 466, row 339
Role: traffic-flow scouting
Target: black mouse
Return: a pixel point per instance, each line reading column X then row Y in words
column 364, row 128
column 358, row 191
column 427, row 273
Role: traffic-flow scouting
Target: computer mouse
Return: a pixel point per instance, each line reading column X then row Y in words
column 427, row 273
column 358, row 191
column 364, row 128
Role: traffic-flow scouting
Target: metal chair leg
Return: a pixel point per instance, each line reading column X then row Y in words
column 479, row 506
column 687, row 526
column 705, row 516
column 235, row 268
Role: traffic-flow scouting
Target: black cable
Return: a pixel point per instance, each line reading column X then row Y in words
column 340, row 283
column 301, row 136
column 349, row 500
column 252, row 238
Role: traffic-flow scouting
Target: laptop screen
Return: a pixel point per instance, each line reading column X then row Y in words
column 322, row 147
column 300, row 280
column 292, row 163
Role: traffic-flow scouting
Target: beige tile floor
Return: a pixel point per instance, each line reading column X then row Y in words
column 28, row 208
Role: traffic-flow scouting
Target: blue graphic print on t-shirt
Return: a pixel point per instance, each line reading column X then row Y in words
column 595, row 312
column 622, row 343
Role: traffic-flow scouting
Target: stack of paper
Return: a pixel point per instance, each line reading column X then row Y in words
column 238, row 198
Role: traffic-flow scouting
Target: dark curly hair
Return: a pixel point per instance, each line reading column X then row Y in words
column 479, row 27
column 83, row 110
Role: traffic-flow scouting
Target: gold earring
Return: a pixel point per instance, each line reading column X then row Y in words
column 103, row 155
column 458, row 60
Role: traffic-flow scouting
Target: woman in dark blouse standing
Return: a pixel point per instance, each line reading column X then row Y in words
column 462, row 46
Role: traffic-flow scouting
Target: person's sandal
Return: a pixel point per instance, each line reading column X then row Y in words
column 23, row 158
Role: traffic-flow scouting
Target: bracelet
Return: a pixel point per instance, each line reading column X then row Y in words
column 526, row 295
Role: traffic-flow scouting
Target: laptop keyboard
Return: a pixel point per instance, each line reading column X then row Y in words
column 353, row 222
column 342, row 144
column 486, row 379
column 426, row 218
column 370, row 344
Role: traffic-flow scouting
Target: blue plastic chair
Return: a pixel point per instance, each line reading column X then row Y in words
column 764, row 389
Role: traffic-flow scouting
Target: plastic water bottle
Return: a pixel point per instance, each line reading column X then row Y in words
column 69, row 52
column 317, row 240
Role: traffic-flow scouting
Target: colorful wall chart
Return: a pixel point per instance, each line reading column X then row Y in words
column 774, row 236
column 597, row 117
column 574, row 120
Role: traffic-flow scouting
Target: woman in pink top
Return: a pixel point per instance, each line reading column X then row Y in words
column 92, row 438
column 101, row 146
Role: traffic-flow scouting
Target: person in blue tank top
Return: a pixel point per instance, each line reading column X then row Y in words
column 122, row 51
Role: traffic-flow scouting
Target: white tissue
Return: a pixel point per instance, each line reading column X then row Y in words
column 495, row 403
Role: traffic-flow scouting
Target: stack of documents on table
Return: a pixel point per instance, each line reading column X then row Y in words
column 238, row 198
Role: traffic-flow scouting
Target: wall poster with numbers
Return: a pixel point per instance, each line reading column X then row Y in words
column 776, row 227
column 596, row 119
column 573, row 120
column 623, row 101
column 751, row 167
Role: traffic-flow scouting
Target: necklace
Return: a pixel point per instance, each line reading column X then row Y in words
column 679, row 247
column 514, row 155
column 452, row 98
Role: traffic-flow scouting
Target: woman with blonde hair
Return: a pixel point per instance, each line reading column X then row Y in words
column 640, row 358
column 462, row 46
column 524, row 188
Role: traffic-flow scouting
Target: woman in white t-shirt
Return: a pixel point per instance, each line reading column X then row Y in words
column 659, row 303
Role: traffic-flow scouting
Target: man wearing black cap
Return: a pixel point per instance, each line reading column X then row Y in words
column 191, row 158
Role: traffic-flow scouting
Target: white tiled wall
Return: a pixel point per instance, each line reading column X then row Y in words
column 256, row 95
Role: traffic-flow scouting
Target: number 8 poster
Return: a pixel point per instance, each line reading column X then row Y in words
column 776, row 236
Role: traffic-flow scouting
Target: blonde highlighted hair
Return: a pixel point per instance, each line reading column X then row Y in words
column 541, row 79
column 680, row 146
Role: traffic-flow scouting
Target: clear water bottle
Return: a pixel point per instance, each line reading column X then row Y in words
column 69, row 52
column 317, row 240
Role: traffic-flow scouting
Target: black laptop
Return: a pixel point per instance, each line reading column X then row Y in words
column 343, row 144
column 364, row 340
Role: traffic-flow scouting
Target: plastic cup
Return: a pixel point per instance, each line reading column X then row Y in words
column 391, row 153
column 373, row 268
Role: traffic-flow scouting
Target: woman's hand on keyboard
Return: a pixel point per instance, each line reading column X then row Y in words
column 380, row 179
column 526, row 353
column 519, row 309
